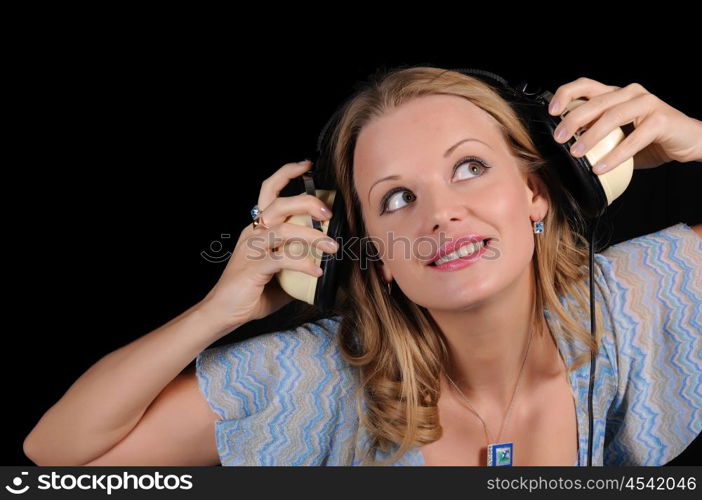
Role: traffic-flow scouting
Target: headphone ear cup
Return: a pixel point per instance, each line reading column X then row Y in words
column 593, row 193
column 334, row 265
column 615, row 181
column 298, row 284
column 321, row 182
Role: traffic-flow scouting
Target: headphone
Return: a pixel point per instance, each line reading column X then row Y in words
column 585, row 192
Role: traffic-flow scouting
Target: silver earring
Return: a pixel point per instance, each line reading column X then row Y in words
column 538, row 227
column 389, row 287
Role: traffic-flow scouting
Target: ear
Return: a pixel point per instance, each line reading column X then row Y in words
column 385, row 271
column 536, row 194
column 381, row 267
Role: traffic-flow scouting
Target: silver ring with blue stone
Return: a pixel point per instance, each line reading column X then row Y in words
column 255, row 211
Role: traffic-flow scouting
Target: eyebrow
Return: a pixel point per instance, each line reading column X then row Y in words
column 448, row 152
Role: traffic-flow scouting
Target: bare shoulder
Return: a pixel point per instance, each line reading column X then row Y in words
column 698, row 229
column 176, row 429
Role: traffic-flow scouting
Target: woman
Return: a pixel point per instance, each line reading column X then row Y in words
column 446, row 360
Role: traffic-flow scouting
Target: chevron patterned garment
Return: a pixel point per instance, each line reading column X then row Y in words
column 286, row 397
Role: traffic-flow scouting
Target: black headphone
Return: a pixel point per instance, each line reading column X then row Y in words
column 585, row 193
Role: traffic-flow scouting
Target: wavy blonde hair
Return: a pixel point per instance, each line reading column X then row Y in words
column 396, row 344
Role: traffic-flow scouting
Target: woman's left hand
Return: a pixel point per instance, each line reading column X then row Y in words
column 661, row 133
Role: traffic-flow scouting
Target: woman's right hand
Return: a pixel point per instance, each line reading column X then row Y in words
column 246, row 291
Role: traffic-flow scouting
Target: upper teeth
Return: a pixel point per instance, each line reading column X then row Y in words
column 461, row 252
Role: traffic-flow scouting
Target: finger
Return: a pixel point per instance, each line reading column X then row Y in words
column 297, row 250
column 630, row 111
column 282, row 208
column 288, row 234
column 641, row 137
column 585, row 114
column 582, row 87
column 303, row 264
column 273, row 185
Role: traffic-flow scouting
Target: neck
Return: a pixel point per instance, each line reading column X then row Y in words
column 485, row 358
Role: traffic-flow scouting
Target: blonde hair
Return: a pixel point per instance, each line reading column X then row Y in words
column 396, row 344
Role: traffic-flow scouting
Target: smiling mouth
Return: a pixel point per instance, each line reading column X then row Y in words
column 460, row 255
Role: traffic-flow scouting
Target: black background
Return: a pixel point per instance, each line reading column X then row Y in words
column 135, row 151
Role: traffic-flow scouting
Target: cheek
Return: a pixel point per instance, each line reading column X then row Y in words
column 389, row 238
column 505, row 201
column 506, row 210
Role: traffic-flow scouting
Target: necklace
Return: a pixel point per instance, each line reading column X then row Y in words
column 498, row 454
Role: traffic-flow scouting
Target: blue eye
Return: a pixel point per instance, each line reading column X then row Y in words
column 475, row 166
column 390, row 202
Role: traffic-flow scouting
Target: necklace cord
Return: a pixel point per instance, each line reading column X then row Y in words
column 509, row 409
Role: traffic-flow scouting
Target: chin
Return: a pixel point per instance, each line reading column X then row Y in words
column 458, row 297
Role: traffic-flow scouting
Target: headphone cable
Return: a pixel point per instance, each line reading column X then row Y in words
column 593, row 228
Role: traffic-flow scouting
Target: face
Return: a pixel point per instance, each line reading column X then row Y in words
column 438, row 197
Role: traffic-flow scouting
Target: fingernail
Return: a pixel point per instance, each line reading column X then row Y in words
column 560, row 133
column 555, row 106
column 600, row 168
column 325, row 211
column 330, row 244
column 578, row 149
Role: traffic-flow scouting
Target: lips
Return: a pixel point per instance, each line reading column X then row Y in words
column 455, row 244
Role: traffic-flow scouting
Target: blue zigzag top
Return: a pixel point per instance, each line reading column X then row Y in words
column 286, row 397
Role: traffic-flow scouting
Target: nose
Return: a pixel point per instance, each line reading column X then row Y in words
column 445, row 208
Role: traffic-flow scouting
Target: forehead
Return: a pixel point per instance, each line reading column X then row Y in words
column 420, row 129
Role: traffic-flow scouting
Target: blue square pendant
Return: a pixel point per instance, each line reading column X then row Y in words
column 499, row 454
